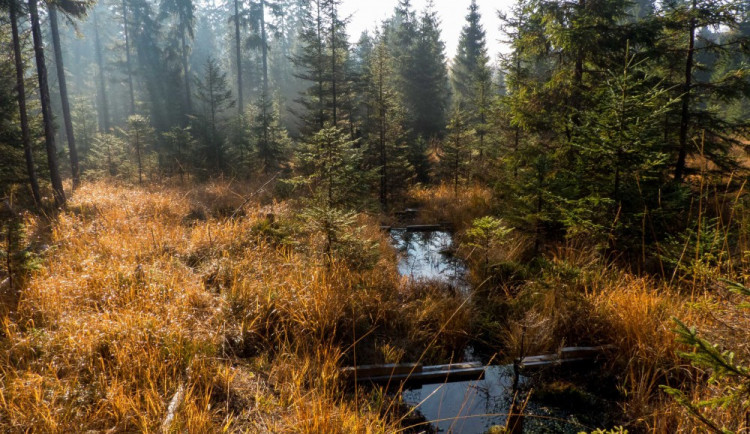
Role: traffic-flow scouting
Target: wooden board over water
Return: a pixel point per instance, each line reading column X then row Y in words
column 413, row 373
column 565, row 356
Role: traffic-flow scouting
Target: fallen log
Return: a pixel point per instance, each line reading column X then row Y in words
column 424, row 228
column 564, row 356
column 413, row 373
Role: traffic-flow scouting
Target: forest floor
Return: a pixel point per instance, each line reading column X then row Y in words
column 197, row 310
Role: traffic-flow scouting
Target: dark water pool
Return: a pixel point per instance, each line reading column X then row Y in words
column 477, row 406
column 428, row 256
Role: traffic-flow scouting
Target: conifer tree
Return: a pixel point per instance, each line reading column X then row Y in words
column 13, row 7
column 401, row 32
column 102, row 98
column 427, row 93
column 108, row 157
column 312, row 65
column 215, row 97
column 471, row 63
column 323, row 60
column 44, row 97
column 238, row 57
column 272, row 143
column 71, row 8
column 471, row 77
column 385, row 133
column 183, row 12
column 180, row 145
column 139, row 135
column 456, row 150
column 728, row 375
column 682, row 46
column 331, row 170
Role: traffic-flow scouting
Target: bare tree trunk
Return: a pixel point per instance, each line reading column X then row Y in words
column 238, row 53
column 264, row 99
column 129, row 65
column 104, row 106
column 264, row 41
column 138, row 156
column 321, row 63
column 49, row 134
column 21, row 94
column 65, row 102
column 685, row 116
column 333, row 62
column 188, row 96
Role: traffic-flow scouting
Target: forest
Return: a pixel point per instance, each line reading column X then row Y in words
column 206, row 209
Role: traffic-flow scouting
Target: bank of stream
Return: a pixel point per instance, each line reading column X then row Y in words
column 481, row 405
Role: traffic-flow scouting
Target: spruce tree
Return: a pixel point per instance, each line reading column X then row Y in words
column 324, row 62
column 108, row 157
column 13, row 7
column 139, row 136
column 71, row 8
column 428, row 89
column 471, row 78
column 386, row 136
column 331, row 170
column 456, row 150
column 179, row 147
column 183, row 12
column 683, row 46
column 272, row 143
column 44, row 97
column 471, row 62
column 215, row 98
column 728, row 374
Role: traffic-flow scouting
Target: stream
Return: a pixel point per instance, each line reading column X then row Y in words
column 477, row 406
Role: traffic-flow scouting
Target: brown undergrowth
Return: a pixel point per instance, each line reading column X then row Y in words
column 152, row 301
column 574, row 294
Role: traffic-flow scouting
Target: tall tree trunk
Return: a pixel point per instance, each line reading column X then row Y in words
column 321, row 63
column 21, row 94
column 264, row 98
column 264, row 42
column 64, row 101
column 49, row 133
column 238, row 53
column 103, row 104
column 128, row 65
column 687, row 87
column 188, row 96
column 138, row 156
column 383, row 154
column 333, row 62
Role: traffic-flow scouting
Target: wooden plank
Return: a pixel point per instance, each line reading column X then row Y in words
column 412, row 372
column 566, row 355
column 450, row 366
column 365, row 371
column 437, row 376
column 424, row 228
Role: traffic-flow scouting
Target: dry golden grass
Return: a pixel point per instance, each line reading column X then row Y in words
column 441, row 204
column 146, row 292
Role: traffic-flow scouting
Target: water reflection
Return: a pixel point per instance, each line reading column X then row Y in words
column 428, row 256
column 476, row 406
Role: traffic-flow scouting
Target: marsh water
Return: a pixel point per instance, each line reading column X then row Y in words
column 476, row 406
column 428, row 256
